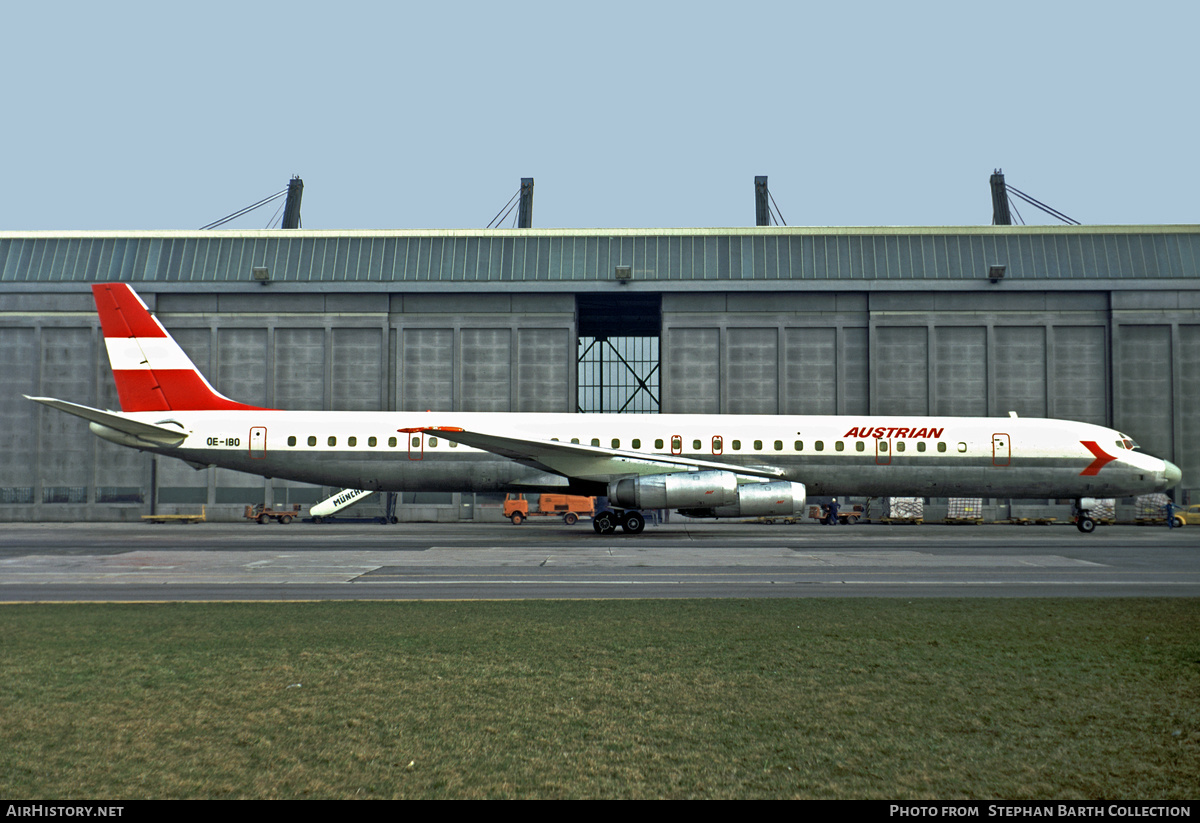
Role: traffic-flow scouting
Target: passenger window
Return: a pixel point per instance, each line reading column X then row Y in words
column 799, row 445
column 962, row 448
column 941, row 447
column 575, row 440
column 883, row 446
column 352, row 442
column 920, row 445
column 432, row 442
column 778, row 445
column 372, row 441
column 819, row 445
column 332, row 441
column 658, row 444
column 696, row 445
column 860, row 446
column 900, row 446
column 839, row 446
column 416, row 442
column 616, row 444
column 737, row 445
column 292, row 440
column 392, row 442
column 758, row 445
column 453, row 445
column 637, row 444
column 312, row 441
column 595, row 441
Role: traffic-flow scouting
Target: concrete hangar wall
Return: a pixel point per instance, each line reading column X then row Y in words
column 1100, row 324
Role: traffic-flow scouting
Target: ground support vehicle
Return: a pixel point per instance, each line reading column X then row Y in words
column 175, row 518
column 846, row 516
column 1189, row 516
column 262, row 514
column 569, row 507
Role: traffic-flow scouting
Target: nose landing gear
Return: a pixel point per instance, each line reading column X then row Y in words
column 1083, row 518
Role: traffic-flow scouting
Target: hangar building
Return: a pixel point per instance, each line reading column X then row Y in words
column 1100, row 324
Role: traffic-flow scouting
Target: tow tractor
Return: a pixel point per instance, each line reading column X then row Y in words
column 262, row 514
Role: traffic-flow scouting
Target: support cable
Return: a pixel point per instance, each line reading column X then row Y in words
column 246, row 210
column 1053, row 212
column 504, row 211
column 275, row 217
column 776, row 213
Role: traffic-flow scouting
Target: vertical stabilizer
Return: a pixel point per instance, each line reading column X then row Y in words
column 151, row 371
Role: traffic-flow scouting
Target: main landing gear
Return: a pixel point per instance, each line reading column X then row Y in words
column 606, row 522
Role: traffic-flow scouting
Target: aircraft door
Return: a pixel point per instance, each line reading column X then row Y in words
column 1001, row 450
column 883, row 451
column 258, row 442
column 718, row 444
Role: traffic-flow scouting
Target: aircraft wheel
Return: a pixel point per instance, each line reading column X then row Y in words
column 516, row 518
column 605, row 523
column 1085, row 524
column 570, row 518
column 633, row 523
column 318, row 520
column 283, row 521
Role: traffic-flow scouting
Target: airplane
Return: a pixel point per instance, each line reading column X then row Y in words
column 703, row 465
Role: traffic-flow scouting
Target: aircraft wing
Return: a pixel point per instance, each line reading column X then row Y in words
column 152, row 435
column 582, row 462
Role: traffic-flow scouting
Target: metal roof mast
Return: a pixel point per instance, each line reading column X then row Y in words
column 766, row 210
column 291, row 209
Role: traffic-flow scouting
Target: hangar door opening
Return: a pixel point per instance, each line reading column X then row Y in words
column 618, row 352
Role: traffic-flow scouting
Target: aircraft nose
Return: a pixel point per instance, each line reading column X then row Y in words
column 1172, row 473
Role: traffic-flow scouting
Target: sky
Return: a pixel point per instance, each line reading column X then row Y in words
column 150, row 115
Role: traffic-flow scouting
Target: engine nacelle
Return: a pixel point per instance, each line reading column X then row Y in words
column 684, row 490
column 778, row 498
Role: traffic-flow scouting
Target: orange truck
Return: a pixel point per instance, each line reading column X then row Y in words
column 569, row 507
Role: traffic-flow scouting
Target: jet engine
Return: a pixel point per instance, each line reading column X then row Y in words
column 674, row 491
column 707, row 494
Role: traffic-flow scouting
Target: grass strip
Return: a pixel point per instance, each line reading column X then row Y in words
column 811, row 698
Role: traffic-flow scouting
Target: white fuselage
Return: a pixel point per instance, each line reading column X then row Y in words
column 849, row 455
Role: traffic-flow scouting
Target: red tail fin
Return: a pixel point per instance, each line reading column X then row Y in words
column 151, row 370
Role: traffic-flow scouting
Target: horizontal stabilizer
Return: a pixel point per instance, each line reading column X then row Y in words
column 149, row 433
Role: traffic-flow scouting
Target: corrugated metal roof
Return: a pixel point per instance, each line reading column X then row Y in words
column 564, row 255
